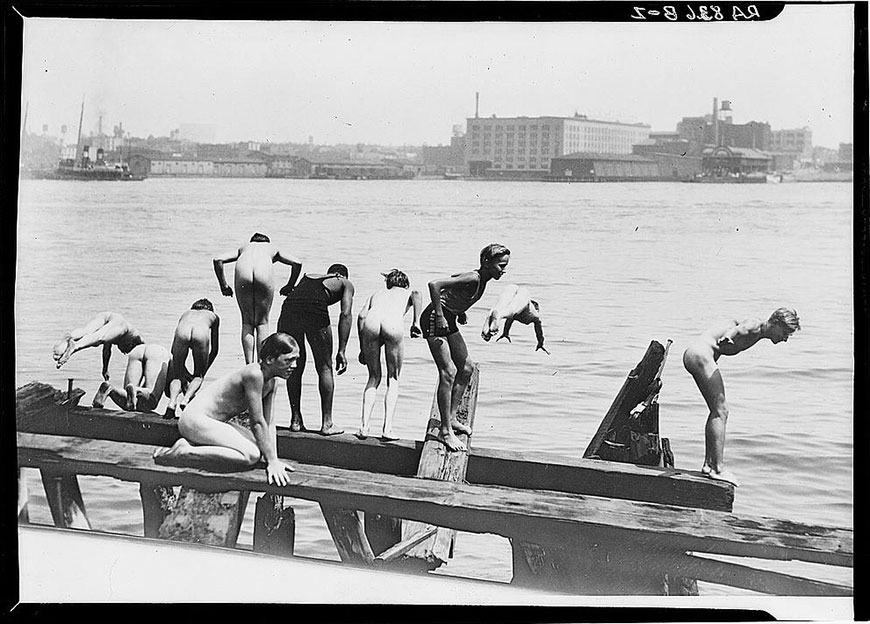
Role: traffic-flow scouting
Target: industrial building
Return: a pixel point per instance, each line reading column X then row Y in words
column 526, row 145
column 798, row 141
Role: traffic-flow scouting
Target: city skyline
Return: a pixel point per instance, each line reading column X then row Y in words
column 385, row 83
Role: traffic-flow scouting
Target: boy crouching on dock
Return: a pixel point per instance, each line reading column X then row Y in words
column 209, row 442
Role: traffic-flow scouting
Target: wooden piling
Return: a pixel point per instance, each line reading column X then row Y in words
column 348, row 534
column 64, row 500
column 158, row 502
column 274, row 526
column 437, row 462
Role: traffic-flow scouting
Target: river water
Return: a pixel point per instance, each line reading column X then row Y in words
column 613, row 266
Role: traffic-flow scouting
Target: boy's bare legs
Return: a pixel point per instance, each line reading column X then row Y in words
column 211, row 445
column 294, row 386
column 370, row 353
column 393, row 351
column 101, row 329
column 440, row 350
column 708, row 378
column 321, row 348
column 464, row 368
column 108, row 391
column 200, row 350
column 153, row 381
column 178, row 373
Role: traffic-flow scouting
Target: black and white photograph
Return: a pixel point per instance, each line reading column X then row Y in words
column 440, row 309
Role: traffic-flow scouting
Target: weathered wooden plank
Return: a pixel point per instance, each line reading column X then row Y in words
column 634, row 389
column 539, row 516
column 529, row 470
column 274, row 526
column 437, row 462
column 64, row 499
column 348, row 534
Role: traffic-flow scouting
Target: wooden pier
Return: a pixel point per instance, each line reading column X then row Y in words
column 582, row 526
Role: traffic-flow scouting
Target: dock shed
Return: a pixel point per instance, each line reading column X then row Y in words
column 593, row 167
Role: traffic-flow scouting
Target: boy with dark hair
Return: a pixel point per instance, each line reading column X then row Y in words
column 379, row 324
column 305, row 316
column 197, row 334
column 255, row 289
column 106, row 329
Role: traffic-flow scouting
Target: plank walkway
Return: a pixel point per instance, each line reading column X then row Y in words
column 38, row 411
column 541, row 517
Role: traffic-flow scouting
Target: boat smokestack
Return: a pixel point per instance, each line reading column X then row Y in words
column 476, row 104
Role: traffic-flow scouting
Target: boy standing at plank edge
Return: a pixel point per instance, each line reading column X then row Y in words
column 701, row 360
column 451, row 297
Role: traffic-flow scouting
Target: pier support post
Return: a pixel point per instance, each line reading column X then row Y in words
column 64, row 500
column 157, row 504
column 348, row 534
column 274, row 526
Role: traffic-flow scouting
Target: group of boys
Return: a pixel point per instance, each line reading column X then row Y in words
column 209, row 441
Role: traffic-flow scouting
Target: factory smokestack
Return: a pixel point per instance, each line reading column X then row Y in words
column 715, row 122
column 476, row 104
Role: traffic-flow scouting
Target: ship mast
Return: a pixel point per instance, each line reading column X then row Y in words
column 79, row 138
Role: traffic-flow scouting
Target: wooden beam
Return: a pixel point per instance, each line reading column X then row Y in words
column 518, row 469
column 64, row 499
column 437, row 462
column 402, row 547
column 539, row 516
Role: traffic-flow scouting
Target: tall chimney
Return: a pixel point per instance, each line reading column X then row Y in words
column 476, row 104
column 715, row 122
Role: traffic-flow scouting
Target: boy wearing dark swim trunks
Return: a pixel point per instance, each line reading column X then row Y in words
column 451, row 297
column 305, row 315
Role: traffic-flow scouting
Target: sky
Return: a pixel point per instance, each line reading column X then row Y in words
column 409, row 83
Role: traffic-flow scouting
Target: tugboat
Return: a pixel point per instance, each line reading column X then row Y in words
column 81, row 167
